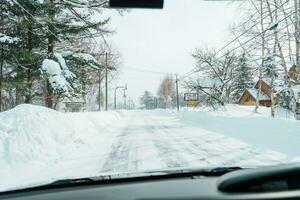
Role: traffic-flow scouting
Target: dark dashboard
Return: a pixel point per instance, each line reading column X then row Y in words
column 280, row 182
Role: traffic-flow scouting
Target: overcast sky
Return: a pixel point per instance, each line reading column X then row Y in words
column 163, row 40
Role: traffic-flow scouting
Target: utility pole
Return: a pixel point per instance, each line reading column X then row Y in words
column 99, row 90
column 177, row 95
column 106, row 80
column 124, row 96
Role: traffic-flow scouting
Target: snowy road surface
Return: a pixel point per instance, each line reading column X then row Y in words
column 153, row 139
column 51, row 145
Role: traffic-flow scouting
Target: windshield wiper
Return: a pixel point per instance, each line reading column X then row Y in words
column 131, row 177
column 157, row 174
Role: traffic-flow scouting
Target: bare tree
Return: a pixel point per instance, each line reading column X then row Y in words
column 166, row 92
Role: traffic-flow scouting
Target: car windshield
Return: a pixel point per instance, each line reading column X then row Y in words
column 90, row 89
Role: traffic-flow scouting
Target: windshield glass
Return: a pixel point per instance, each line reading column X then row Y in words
column 87, row 90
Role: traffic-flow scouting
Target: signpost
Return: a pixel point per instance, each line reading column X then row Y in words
column 297, row 111
column 191, row 99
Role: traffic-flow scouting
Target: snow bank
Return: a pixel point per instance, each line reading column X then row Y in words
column 259, row 129
column 30, row 132
column 40, row 140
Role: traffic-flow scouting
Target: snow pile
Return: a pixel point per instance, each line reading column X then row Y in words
column 36, row 133
column 280, row 134
column 42, row 140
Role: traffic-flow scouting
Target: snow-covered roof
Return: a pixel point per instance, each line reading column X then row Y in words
column 267, row 80
column 262, row 95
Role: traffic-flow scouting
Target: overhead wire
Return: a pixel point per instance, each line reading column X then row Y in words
column 241, row 44
column 148, row 71
column 18, row 4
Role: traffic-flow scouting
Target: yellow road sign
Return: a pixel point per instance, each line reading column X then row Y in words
column 192, row 103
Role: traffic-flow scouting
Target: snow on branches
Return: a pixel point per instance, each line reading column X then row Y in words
column 58, row 74
column 7, row 39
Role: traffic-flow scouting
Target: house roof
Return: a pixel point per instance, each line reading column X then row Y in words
column 262, row 95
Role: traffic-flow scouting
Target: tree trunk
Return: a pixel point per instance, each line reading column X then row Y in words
column 262, row 57
column 49, row 89
column 297, row 38
column 49, row 95
column 1, row 65
column 1, row 77
column 28, row 95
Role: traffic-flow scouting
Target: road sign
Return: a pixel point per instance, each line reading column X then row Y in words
column 190, row 96
column 192, row 103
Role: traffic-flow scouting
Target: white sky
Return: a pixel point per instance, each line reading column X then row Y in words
column 163, row 40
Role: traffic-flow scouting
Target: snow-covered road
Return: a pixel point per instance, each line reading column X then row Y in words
column 145, row 140
column 52, row 145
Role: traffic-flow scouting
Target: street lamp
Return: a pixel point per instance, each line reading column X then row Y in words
column 115, row 97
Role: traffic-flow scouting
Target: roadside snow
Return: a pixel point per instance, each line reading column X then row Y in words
column 280, row 134
column 36, row 139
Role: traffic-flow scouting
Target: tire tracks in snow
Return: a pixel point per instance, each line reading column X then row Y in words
column 150, row 141
column 117, row 159
column 164, row 145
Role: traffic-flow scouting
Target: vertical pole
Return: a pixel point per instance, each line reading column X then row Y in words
column 177, row 95
column 99, row 90
column 262, row 57
column 1, row 76
column 106, row 85
column 1, row 64
column 124, row 100
column 115, row 98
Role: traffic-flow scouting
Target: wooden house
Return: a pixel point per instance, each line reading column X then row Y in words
column 292, row 73
column 249, row 95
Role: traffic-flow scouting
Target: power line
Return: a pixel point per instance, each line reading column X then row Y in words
column 259, row 34
column 235, row 39
column 18, row 4
column 148, row 71
column 191, row 72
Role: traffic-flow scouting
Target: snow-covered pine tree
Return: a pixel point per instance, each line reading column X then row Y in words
column 47, row 28
column 22, row 66
column 68, row 21
column 148, row 100
column 243, row 77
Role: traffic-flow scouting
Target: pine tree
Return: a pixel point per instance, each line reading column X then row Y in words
column 46, row 29
column 148, row 100
column 243, row 77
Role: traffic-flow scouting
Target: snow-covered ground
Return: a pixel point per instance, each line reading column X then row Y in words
column 38, row 145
